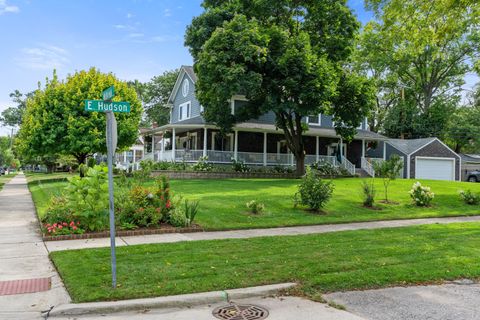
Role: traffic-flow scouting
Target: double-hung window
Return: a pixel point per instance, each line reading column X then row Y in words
column 184, row 111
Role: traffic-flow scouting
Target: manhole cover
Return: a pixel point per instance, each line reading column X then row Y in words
column 240, row 312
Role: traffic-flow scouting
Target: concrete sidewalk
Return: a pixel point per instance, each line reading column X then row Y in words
column 24, row 255
column 250, row 233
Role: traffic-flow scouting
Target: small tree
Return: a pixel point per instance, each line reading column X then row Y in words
column 388, row 170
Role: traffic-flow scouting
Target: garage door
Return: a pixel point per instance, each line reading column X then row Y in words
column 435, row 169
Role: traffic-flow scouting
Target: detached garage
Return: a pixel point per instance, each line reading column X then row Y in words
column 427, row 158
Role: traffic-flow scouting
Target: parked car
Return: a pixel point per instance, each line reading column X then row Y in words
column 2, row 171
column 473, row 176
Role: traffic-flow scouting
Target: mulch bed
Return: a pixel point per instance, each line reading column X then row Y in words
column 125, row 233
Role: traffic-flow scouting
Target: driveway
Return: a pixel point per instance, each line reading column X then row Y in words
column 458, row 300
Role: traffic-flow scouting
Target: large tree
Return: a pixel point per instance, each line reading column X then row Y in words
column 425, row 47
column 12, row 116
column 286, row 56
column 463, row 131
column 55, row 122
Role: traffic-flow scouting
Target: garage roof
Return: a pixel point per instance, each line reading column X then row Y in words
column 409, row 146
column 470, row 158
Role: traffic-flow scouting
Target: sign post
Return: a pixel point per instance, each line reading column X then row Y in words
column 109, row 108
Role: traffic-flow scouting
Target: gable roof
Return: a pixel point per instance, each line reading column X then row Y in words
column 470, row 158
column 188, row 70
column 409, row 146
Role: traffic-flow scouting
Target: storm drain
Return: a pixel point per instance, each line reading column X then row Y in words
column 240, row 312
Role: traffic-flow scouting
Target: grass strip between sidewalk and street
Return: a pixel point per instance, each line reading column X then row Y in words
column 320, row 262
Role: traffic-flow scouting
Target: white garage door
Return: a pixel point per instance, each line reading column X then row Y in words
column 435, row 169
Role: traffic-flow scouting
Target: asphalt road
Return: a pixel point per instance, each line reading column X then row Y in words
column 453, row 301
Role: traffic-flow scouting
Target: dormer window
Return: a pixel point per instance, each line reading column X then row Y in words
column 317, row 120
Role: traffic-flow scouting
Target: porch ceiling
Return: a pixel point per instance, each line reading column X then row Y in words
column 270, row 128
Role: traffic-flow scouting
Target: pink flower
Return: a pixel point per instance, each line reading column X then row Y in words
column 54, row 225
column 72, row 224
column 60, row 227
column 74, row 228
column 167, row 205
column 64, row 224
column 78, row 223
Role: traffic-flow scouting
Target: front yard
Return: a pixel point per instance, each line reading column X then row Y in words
column 223, row 202
column 320, row 263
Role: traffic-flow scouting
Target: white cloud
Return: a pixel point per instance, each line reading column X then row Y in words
column 167, row 12
column 43, row 57
column 129, row 15
column 6, row 8
column 135, row 35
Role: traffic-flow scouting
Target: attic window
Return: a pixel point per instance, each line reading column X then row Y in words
column 185, row 87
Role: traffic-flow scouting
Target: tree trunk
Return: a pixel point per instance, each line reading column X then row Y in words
column 300, row 168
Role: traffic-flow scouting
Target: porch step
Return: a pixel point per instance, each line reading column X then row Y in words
column 360, row 172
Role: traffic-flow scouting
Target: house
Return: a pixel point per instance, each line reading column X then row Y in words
column 138, row 151
column 427, row 158
column 470, row 162
column 255, row 142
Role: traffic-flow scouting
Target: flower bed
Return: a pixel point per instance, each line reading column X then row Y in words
column 124, row 233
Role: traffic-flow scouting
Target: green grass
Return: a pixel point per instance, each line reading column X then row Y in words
column 320, row 263
column 222, row 202
column 5, row 178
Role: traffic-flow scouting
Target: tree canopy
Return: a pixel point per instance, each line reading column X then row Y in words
column 289, row 57
column 420, row 50
column 55, row 122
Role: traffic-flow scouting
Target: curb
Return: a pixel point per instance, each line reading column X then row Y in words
column 178, row 301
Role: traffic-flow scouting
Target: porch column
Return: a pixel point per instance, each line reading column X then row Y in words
column 264, row 149
column 163, row 146
column 134, row 157
column 317, row 148
column 153, row 146
column 235, row 150
column 363, row 148
column 341, row 147
column 384, row 150
column 205, row 142
column 124, row 156
column 173, row 145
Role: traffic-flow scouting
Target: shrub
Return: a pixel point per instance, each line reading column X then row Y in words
column 255, row 207
column 191, row 210
column 239, row 166
column 57, row 210
column 282, row 169
column 469, row 197
column 177, row 218
column 368, row 193
column 183, row 212
column 313, row 191
column 202, row 165
column 325, row 168
column 421, row 196
column 88, row 198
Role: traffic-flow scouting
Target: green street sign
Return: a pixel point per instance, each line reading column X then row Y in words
column 102, row 106
column 108, row 93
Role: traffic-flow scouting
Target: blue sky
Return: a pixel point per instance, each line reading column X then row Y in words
column 135, row 39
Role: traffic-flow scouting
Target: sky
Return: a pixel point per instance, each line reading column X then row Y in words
column 134, row 39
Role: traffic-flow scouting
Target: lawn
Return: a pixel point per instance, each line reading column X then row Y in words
column 320, row 263
column 5, row 178
column 222, row 202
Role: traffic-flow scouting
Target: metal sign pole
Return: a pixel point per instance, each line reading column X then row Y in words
column 111, row 146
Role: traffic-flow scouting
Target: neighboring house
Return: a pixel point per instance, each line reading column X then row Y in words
column 255, row 142
column 427, row 158
column 470, row 162
column 140, row 150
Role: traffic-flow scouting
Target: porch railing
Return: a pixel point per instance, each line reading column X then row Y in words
column 347, row 165
column 367, row 167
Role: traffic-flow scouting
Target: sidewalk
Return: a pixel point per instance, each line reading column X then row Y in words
column 24, row 255
column 249, row 233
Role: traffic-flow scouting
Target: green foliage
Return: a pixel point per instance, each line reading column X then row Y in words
column 325, row 168
column 368, row 193
column 421, row 196
column 313, row 191
column 418, row 52
column 388, row 170
column 184, row 212
column 154, row 96
column 239, row 166
column 57, row 211
column 55, row 122
column 255, row 207
column 87, row 198
column 469, row 197
column 202, row 165
column 12, row 116
column 239, row 48
column 463, row 131
column 145, row 171
column 91, row 162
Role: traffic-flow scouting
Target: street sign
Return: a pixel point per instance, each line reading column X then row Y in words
column 108, row 93
column 103, row 106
